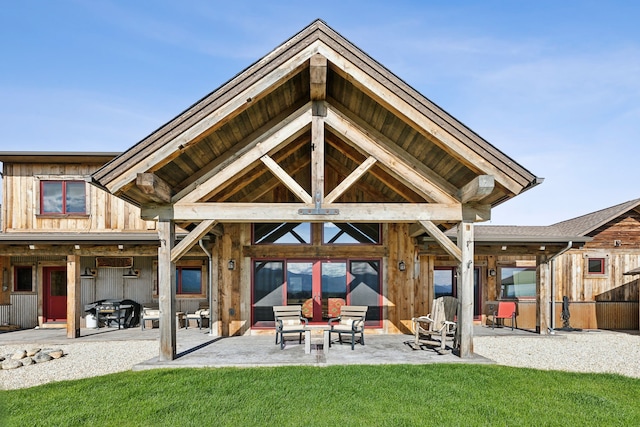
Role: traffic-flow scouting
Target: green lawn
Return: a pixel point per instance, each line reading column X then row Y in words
column 397, row 395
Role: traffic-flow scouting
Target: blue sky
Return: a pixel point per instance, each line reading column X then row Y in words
column 553, row 84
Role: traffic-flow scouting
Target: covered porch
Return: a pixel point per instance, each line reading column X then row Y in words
column 320, row 134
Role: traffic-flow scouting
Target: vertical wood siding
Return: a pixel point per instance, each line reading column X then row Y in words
column 106, row 212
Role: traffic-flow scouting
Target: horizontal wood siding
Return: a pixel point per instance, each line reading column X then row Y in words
column 22, row 198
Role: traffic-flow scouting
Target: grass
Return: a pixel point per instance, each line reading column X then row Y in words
column 392, row 395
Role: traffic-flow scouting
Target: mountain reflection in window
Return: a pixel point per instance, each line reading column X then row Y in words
column 346, row 233
column 282, row 233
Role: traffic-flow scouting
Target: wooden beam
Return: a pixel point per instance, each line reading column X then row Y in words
column 279, row 135
column 214, row 119
column 476, row 212
column 318, row 77
column 477, row 189
column 442, row 239
column 543, row 294
column 272, row 183
column 154, row 187
column 465, row 289
column 416, row 119
column 317, row 150
column 73, row 296
column 354, row 176
column 287, row 180
column 167, row 291
column 412, row 173
column 288, row 212
column 64, row 250
column 191, row 239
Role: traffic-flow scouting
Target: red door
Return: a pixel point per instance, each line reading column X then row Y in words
column 55, row 293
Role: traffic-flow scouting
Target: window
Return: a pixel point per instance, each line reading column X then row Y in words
column 62, row 197
column 518, row 282
column 595, row 266
column 23, row 279
column 282, row 233
column 354, row 234
column 188, row 281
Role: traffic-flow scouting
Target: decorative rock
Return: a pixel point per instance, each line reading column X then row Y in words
column 56, row 354
column 42, row 357
column 27, row 361
column 32, row 352
column 19, row 355
column 11, row 364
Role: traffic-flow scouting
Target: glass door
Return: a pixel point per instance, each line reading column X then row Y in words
column 319, row 286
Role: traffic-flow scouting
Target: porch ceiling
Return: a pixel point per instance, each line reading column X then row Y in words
column 270, row 100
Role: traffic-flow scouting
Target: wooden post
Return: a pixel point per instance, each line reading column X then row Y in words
column 73, row 296
column 167, row 290
column 465, row 288
column 543, row 295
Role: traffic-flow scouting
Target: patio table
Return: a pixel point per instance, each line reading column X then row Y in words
column 307, row 337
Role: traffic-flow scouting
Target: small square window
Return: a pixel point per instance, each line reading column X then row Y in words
column 23, row 279
column 62, row 197
column 595, row 266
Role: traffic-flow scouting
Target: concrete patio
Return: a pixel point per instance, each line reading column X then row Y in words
column 196, row 348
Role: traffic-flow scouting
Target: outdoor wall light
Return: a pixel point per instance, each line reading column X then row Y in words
column 131, row 274
column 231, row 265
column 402, row 266
column 89, row 274
column 492, row 272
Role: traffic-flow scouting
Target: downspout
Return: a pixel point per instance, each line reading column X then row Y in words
column 553, row 302
column 209, row 282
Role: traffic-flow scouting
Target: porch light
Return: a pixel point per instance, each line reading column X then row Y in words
column 88, row 273
column 231, row 265
column 402, row 266
column 131, row 274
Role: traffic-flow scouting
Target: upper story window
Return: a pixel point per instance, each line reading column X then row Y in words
column 595, row 266
column 62, row 197
column 350, row 234
column 282, row 233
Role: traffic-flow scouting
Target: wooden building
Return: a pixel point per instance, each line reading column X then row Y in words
column 314, row 176
column 65, row 243
column 322, row 168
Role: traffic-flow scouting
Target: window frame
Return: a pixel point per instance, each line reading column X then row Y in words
column 354, row 225
column 189, row 264
column 14, row 275
column 64, row 179
column 604, row 262
column 514, row 266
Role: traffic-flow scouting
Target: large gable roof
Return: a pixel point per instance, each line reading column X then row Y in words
column 270, row 101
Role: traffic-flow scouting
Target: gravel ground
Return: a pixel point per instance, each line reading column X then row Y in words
column 594, row 351
column 81, row 360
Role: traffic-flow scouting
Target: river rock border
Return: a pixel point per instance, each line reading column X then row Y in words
column 28, row 357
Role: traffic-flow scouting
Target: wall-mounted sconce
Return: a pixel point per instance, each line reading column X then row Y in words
column 231, row 265
column 131, row 274
column 76, row 247
column 120, row 247
column 504, row 248
column 492, row 272
column 543, row 247
column 89, row 274
column 402, row 266
column 32, row 247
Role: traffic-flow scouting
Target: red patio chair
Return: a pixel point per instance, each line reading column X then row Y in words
column 506, row 310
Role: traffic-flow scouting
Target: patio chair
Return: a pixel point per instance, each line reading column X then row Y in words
column 350, row 321
column 199, row 315
column 506, row 310
column 289, row 320
column 441, row 322
column 150, row 313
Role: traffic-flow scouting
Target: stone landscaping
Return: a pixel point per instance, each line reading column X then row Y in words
column 22, row 358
